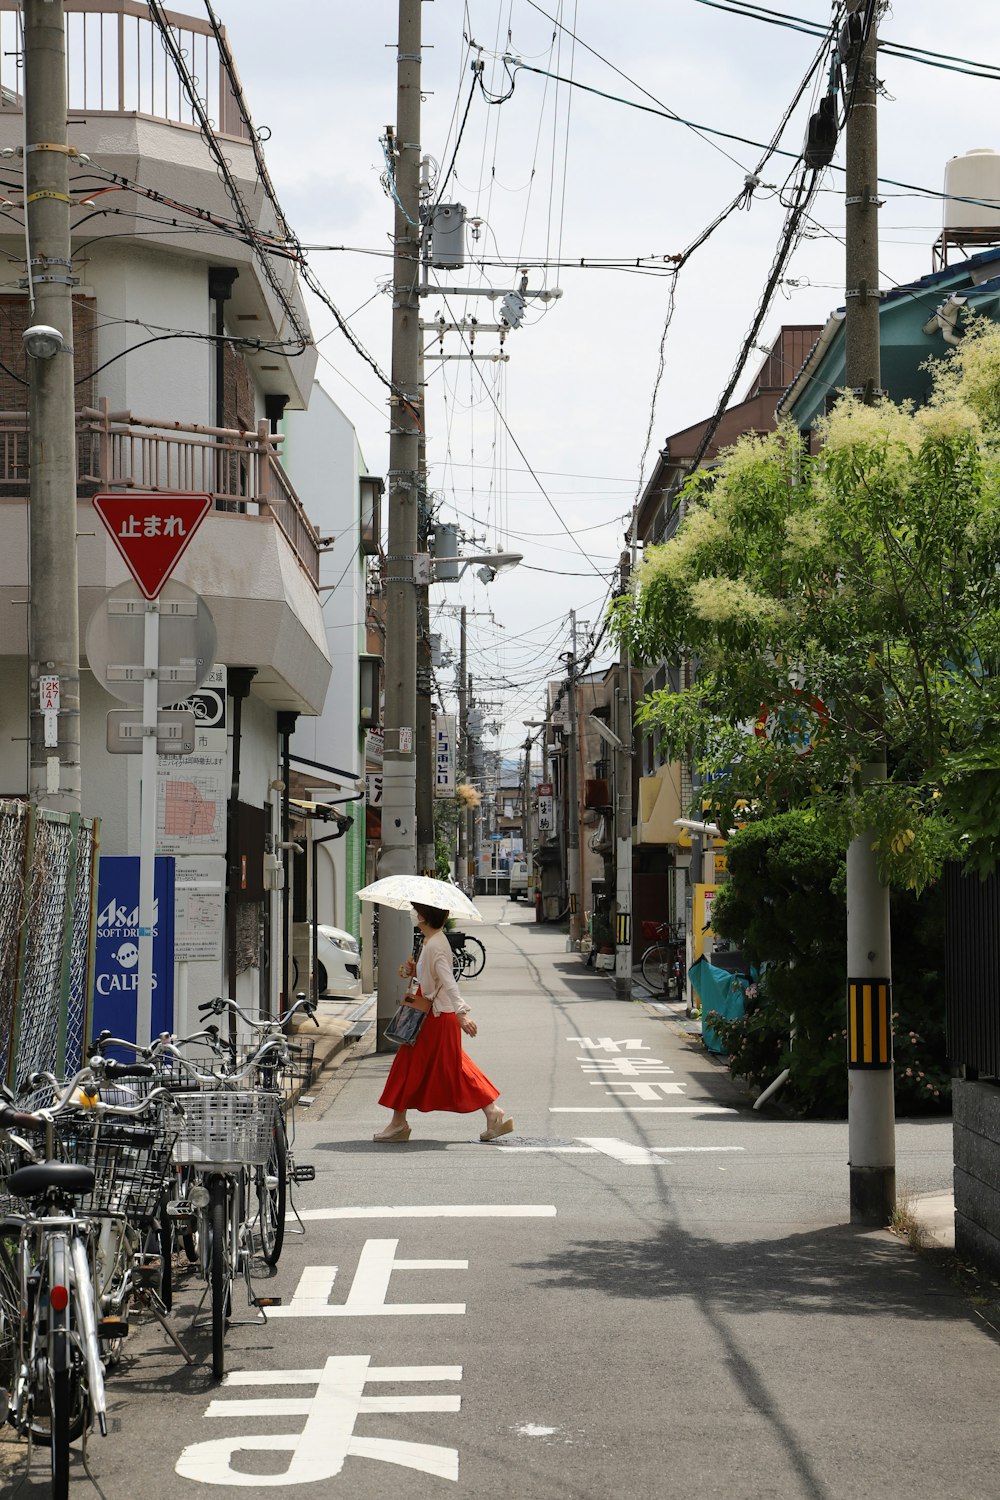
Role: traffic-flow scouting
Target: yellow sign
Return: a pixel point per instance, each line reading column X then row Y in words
column 721, row 865
column 704, row 895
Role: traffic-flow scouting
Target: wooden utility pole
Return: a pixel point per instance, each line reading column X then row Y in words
column 398, row 852
column 870, row 1107
column 53, row 611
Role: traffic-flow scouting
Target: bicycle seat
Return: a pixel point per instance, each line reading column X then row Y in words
column 32, row 1181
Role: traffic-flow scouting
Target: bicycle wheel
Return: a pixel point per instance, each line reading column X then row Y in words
column 220, row 1270
column 475, row 957
column 272, row 1185
column 60, row 1402
column 10, row 1310
column 657, row 966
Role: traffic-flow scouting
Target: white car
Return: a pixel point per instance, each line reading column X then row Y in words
column 338, row 963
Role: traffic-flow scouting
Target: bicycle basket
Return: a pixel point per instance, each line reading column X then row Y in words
column 130, row 1161
column 651, row 930
column 226, row 1128
column 298, row 1072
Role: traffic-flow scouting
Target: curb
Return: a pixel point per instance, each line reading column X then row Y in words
column 331, row 1041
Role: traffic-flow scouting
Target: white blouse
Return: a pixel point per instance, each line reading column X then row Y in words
column 437, row 978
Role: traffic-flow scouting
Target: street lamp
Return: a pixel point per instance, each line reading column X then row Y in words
column 608, row 736
column 450, row 569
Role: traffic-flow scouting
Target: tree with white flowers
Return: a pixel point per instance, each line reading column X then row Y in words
column 842, row 605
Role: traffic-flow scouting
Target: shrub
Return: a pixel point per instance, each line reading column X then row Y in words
column 784, row 905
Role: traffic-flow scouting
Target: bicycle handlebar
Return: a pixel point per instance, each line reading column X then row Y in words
column 35, row 1120
column 220, row 1005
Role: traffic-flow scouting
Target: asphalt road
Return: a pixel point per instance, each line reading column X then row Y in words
column 646, row 1291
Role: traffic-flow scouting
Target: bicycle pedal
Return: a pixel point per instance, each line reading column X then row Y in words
column 304, row 1174
column 112, row 1328
column 265, row 1301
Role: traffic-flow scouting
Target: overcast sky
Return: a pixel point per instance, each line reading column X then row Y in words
column 556, row 173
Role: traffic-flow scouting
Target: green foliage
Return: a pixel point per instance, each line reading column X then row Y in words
column 850, row 602
column 784, row 905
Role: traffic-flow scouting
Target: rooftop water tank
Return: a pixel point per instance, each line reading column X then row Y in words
column 975, row 175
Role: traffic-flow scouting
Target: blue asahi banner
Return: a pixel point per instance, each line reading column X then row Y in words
column 116, row 967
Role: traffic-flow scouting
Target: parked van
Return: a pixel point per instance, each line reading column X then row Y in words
column 518, row 878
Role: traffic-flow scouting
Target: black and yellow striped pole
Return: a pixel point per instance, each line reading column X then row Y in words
column 869, row 1023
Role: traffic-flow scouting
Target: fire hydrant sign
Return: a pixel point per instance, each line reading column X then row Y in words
column 152, row 531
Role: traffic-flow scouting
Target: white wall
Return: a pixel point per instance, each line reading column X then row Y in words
column 323, row 459
column 171, row 379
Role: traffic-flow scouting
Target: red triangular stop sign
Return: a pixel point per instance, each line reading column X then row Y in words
column 152, row 531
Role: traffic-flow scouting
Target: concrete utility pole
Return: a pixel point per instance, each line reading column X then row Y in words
column 426, row 853
column 623, row 812
column 870, row 1108
column 573, row 797
column 463, row 749
column 398, row 854
column 526, row 838
column 53, row 611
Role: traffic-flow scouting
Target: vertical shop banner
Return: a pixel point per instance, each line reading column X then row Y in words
column 116, row 966
column 444, row 755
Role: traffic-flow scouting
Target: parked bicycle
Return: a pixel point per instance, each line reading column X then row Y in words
column 51, row 1315
column 468, row 956
column 277, row 1070
column 662, row 964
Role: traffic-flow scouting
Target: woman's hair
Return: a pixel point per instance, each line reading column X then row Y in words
column 434, row 916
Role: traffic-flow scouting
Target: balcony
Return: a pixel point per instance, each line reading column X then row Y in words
column 118, row 451
column 116, row 64
column 136, row 130
column 256, row 557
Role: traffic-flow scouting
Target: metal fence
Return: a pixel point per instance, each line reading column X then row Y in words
column 48, row 897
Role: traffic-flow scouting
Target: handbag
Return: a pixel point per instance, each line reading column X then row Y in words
column 404, row 1028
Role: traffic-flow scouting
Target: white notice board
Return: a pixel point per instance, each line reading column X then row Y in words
column 199, row 909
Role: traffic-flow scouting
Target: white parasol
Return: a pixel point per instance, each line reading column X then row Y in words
column 400, row 891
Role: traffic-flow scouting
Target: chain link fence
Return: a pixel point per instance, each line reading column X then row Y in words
column 48, row 894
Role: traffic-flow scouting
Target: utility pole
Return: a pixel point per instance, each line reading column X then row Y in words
column 573, row 797
column 53, row 610
column 870, row 1107
column 526, row 838
column 463, row 749
column 426, row 853
column 623, row 811
column 398, row 853
column 471, row 846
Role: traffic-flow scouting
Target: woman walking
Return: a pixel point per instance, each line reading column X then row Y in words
column 436, row 1072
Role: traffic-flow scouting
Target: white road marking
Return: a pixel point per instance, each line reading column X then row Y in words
column 366, row 1299
column 623, row 1151
column 319, row 1451
column 608, row 1044
column 535, row 1146
column 612, row 1147
column 436, row 1211
column 639, row 1109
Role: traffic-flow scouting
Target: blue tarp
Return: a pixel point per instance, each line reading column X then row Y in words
column 719, row 990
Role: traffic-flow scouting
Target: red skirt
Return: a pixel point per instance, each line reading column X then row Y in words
column 437, row 1073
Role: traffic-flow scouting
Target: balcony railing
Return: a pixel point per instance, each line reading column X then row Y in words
column 116, row 450
column 116, row 64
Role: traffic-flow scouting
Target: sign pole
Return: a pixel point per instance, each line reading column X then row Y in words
column 147, row 822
